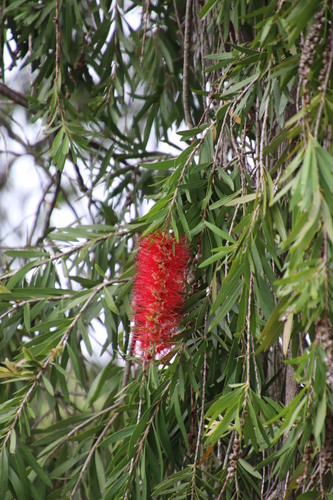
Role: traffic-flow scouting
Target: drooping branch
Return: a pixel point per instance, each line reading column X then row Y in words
column 66, row 253
column 186, row 69
column 51, row 357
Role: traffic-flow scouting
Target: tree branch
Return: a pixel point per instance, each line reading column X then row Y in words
column 186, row 69
column 57, row 179
column 14, row 96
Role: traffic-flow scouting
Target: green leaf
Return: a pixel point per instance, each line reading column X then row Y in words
column 232, row 89
column 219, row 232
column 294, row 164
column 277, row 217
column 274, row 326
column 164, row 435
column 175, row 480
column 48, row 385
column 225, row 401
column 327, row 219
column 188, row 134
column 227, row 301
column 160, row 165
column 138, row 432
column 57, row 142
column 242, row 199
column 179, row 418
column 325, row 164
column 320, row 416
column 118, row 436
column 34, row 464
column 110, row 301
column 249, row 468
column 219, row 255
column 207, row 8
column 26, row 316
column 287, row 331
column 19, row 275
column 229, row 285
column 217, row 429
column 224, row 201
column 12, row 442
column 100, row 471
column 27, row 254
column 310, row 495
column 3, row 470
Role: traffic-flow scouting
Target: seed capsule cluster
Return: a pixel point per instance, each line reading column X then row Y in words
column 314, row 38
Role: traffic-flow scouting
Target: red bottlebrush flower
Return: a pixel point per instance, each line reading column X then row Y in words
column 158, row 292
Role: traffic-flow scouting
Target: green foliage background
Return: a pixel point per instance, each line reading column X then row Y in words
column 244, row 408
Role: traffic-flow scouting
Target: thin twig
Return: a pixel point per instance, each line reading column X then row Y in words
column 227, row 453
column 200, row 426
column 178, row 19
column 57, row 180
column 263, row 478
column 145, row 434
column 57, row 68
column 56, row 20
column 221, row 138
column 324, row 85
column 144, row 33
column 248, row 342
column 83, row 188
column 186, row 68
column 11, row 133
column 138, row 416
column 22, row 303
column 81, row 426
column 14, row 96
column 91, row 453
column 263, row 131
column 37, row 213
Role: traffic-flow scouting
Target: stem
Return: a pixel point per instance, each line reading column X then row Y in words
column 200, row 426
column 324, row 85
column 186, row 67
column 144, row 33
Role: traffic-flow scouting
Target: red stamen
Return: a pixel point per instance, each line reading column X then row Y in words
column 158, row 292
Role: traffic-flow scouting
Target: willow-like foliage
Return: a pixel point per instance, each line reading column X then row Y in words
column 241, row 407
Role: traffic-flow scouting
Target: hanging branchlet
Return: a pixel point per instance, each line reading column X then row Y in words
column 324, row 73
column 327, row 451
column 233, row 460
column 326, row 343
column 307, row 460
column 186, row 67
column 308, row 53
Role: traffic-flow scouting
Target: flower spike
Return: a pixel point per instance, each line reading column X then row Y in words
column 158, row 292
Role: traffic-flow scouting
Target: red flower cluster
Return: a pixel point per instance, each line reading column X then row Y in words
column 158, row 292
